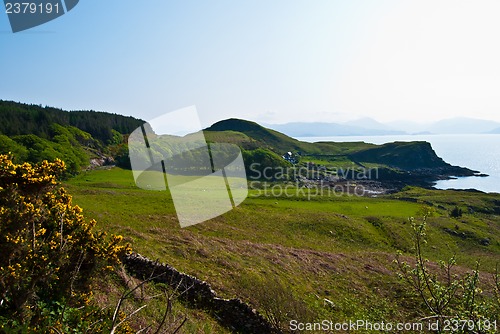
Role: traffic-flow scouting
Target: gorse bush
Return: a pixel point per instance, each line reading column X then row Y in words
column 49, row 252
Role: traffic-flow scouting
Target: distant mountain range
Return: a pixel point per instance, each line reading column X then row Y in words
column 319, row 129
column 495, row 131
column 370, row 127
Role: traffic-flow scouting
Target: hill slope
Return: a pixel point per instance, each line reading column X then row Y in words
column 34, row 133
column 259, row 136
column 22, row 119
column 405, row 156
column 263, row 137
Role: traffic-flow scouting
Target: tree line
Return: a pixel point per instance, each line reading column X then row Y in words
column 23, row 119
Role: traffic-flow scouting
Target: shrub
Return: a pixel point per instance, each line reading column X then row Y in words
column 456, row 212
column 49, row 251
column 375, row 221
column 449, row 298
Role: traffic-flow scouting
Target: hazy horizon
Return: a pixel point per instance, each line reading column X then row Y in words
column 394, row 121
column 272, row 63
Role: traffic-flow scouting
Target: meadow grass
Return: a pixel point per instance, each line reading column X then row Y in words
column 338, row 248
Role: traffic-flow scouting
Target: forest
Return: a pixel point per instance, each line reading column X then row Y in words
column 32, row 133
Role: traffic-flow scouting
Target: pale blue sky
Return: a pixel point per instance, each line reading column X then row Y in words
column 269, row 61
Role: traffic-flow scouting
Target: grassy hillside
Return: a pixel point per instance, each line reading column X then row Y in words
column 34, row 133
column 299, row 249
column 259, row 136
column 295, row 243
column 398, row 156
column 22, row 119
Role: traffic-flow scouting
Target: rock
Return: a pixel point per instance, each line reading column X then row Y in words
column 231, row 313
column 485, row 242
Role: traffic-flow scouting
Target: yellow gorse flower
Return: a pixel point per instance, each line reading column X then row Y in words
column 46, row 245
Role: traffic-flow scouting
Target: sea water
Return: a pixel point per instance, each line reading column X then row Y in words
column 480, row 152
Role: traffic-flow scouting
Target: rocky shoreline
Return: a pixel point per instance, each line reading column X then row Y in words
column 386, row 180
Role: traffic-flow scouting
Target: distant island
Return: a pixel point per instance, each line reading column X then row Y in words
column 369, row 127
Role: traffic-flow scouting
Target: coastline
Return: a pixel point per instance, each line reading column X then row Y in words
column 389, row 181
column 475, row 151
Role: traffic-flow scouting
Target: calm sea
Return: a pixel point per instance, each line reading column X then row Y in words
column 477, row 152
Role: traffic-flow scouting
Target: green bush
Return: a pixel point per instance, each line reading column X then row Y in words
column 456, row 212
column 49, row 252
column 447, row 296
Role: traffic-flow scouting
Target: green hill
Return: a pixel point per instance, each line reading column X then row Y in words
column 404, row 155
column 34, row 133
column 22, row 119
column 290, row 254
column 259, row 136
column 404, row 162
column 299, row 253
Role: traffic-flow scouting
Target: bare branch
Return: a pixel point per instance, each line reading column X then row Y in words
column 127, row 294
column 180, row 326
column 126, row 318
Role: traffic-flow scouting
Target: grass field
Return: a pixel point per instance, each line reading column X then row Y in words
column 306, row 248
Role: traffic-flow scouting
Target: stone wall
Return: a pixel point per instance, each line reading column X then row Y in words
column 231, row 313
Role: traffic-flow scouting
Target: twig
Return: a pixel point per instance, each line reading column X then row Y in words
column 167, row 311
column 182, row 324
column 126, row 318
column 125, row 296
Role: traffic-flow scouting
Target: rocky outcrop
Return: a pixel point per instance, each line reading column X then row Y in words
column 99, row 162
column 231, row 313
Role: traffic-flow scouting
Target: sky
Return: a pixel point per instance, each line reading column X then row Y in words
column 268, row 61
